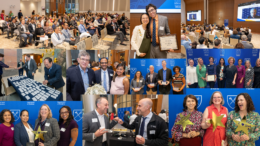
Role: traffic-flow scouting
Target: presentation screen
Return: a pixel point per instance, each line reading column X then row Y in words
column 249, row 11
column 163, row 6
column 194, row 15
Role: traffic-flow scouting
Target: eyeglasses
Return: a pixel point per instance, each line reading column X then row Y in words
column 84, row 60
column 152, row 10
column 64, row 112
column 103, row 62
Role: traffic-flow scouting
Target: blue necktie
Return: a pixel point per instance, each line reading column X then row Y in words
column 154, row 33
column 83, row 27
column 142, row 126
column 105, row 80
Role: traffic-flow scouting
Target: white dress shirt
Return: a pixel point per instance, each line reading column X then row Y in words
column 202, row 46
column 132, row 118
column 24, row 29
column 30, row 133
column 55, row 40
column 107, row 78
column 42, row 23
column 101, row 119
column 33, row 26
column 137, row 38
column 96, row 24
column 147, row 120
column 191, row 75
column 29, row 64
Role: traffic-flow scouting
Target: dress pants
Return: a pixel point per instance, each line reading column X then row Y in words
column 20, row 71
column 221, row 84
column 1, row 85
column 25, row 36
column 120, row 35
column 104, row 143
column 211, row 84
column 29, row 75
column 157, row 53
column 194, row 85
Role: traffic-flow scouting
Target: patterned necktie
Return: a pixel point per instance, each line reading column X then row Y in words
column 104, row 80
column 142, row 126
column 154, row 33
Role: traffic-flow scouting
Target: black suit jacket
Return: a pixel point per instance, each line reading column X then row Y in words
column 98, row 76
column 30, row 27
column 75, row 85
column 218, row 71
column 126, row 119
column 110, row 29
column 154, row 80
column 20, row 134
column 165, row 88
column 12, row 26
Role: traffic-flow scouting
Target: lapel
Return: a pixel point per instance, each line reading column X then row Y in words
column 89, row 77
column 78, row 73
column 24, row 131
column 46, row 128
column 106, row 122
column 159, row 23
column 95, row 116
column 99, row 76
column 53, row 68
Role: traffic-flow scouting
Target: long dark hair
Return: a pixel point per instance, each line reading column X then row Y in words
column 119, row 65
column 220, row 60
column 140, row 75
column 250, row 105
column 148, row 35
column 70, row 118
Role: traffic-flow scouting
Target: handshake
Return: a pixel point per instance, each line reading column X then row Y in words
column 118, row 120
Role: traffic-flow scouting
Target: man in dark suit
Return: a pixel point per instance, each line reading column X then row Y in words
column 30, row 67
column 53, row 75
column 95, row 122
column 104, row 76
column 126, row 117
column 20, row 64
column 79, row 78
column 20, row 14
column 151, row 81
column 75, row 63
column 12, row 26
column 32, row 27
column 164, row 79
column 151, row 128
column 25, row 33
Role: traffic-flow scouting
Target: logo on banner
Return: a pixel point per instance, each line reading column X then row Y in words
column 231, row 99
column 190, row 52
column 245, row 59
column 254, row 52
column 238, row 52
column 16, row 114
column 222, row 52
column 77, row 113
column 133, row 70
column 182, row 70
column 148, row 70
column 158, row 62
column 196, row 61
column 215, row 60
column 199, row 98
column 172, row 62
column 206, row 52
column 142, row 62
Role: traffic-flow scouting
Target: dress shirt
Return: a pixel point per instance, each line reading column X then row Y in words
column 147, row 120
column 101, row 119
column 107, row 81
column 66, row 34
column 29, row 64
column 55, row 40
column 191, row 75
column 96, row 23
column 82, row 28
column 164, row 75
column 85, row 78
column 33, row 26
column 132, row 118
column 24, row 28
column 30, row 133
column 151, row 77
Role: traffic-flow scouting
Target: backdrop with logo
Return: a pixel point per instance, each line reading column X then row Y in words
column 33, row 107
column 144, row 64
column 121, row 111
column 244, row 54
column 203, row 97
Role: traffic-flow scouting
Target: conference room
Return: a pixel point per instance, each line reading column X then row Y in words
column 33, row 75
column 218, row 24
column 70, row 25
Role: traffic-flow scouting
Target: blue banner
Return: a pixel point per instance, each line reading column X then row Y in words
column 143, row 65
column 203, row 97
column 226, row 22
column 120, row 112
column 33, row 107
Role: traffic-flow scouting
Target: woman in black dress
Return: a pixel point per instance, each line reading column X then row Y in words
column 39, row 32
column 257, row 74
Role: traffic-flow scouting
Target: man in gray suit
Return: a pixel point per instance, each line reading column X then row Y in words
column 30, row 67
column 245, row 43
column 95, row 124
column 25, row 33
column 158, row 27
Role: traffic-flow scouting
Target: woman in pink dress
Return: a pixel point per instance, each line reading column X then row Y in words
column 120, row 83
column 240, row 74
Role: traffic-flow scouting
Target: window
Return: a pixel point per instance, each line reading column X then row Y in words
column 72, row 6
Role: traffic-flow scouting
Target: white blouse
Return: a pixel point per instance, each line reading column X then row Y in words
column 137, row 38
column 30, row 133
column 191, row 75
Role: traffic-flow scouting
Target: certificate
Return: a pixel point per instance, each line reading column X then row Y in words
column 211, row 78
column 168, row 42
column 163, row 83
column 177, row 87
column 137, row 89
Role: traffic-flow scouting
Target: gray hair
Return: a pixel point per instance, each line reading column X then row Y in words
column 83, row 53
column 244, row 37
column 151, row 66
column 163, row 61
column 249, row 62
column 98, row 100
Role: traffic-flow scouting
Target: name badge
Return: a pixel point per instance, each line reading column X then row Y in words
column 163, row 83
column 161, row 28
column 141, row 81
column 238, row 120
column 47, row 124
column 94, row 120
column 63, row 129
column 148, row 76
column 249, row 69
column 92, row 82
column 152, row 84
column 152, row 131
column 173, row 77
column 111, row 75
column 224, row 115
column 12, row 128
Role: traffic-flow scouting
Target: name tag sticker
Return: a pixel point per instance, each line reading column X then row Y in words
column 63, row 129
column 161, row 28
column 148, row 76
column 224, row 115
column 238, row 120
column 47, row 124
column 152, row 131
column 94, row 120
column 249, row 69
column 111, row 75
column 152, row 84
column 12, row 128
column 141, row 81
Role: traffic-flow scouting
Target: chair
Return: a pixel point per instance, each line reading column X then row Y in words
column 211, row 37
column 191, row 38
column 8, row 90
column 222, row 32
column 183, row 50
column 233, row 42
column 226, row 46
column 197, row 34
column 217, row 34
column 96, row 46
column 81, row 45
column 106, row 38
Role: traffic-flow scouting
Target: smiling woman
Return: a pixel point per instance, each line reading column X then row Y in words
column 7, row 128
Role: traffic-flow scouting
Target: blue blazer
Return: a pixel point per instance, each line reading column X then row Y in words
column 74, row 84
column 98, row 76
column 54, row 76
column 20, row 134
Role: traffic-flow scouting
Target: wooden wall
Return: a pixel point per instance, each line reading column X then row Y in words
column 174, row 21
column 191, row 5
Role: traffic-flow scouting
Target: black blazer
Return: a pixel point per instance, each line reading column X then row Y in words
column 20, row 134
column 98, row 76
column 31, row 28
column 218, row 71
column 54, row 76
column 74, row 83
column 12, row 26
column 126, row 119
column 154, row 80
column 39, row 31
column 110, row 29
column 164, row 88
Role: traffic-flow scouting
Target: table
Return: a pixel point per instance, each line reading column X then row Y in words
column 31, row 90
column 125, row 141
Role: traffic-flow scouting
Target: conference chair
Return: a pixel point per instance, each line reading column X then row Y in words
column 183, row 50
column 233, row 42
column 222, row 33
column 197, row 34
column 8, row 90
column 211, row 37
column 217, row 34
column 226, row 46
column 107, row 38
column 191, row 38
column 96, row 46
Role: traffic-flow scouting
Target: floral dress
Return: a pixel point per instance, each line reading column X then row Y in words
column 253, row 133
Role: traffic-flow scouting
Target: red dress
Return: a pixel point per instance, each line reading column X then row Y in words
column 214, row 138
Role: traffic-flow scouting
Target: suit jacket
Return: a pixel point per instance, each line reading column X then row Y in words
column 54, row 76
column 20, row 134
column 73, row 24
column 30, row 27
column 52, row 136
column 126, row 119
column 247, row 45
column 33, row 66
column 13, row 26
column 90, row 127
column 110, row 29
column 154, row 80
column 133, row 84
column 218, row 71
column 98, row 76
column 18, row 65
column 163, row 88
column 21, row 30
column 74, row 83
column 163, row 23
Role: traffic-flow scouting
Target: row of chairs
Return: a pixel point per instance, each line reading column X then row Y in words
column 8, row 90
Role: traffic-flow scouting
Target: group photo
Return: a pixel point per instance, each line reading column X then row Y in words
column 33, row 75
column 41, row 123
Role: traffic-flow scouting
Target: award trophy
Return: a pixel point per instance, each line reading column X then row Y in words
column 38, row 135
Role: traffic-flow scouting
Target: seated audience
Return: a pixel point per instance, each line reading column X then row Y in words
column 58, row 40
column 83, row 30
column 24, row 32
column 186, row 42
column 245, row 43
column 202, row 44
column 217, row 44
column 239, row 46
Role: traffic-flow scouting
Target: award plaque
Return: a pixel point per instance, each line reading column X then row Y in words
column 151, row 84
column 168, row 42
column 211, row 78
column 30, row 144
column 177, row 87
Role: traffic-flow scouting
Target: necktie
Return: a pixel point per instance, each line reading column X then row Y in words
column 142, row 126
column 154, row 33
column 84, row 27
column 58, row 36
column 104, row 80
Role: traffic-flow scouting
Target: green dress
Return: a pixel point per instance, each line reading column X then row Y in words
column 145, row 47
column 201, row 73
column 253, row 133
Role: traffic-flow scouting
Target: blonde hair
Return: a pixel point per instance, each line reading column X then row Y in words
column 200, row 67
column 231, row 58
column 49, row 115
column 107, row 22
column 249, row 63
column 211, row 98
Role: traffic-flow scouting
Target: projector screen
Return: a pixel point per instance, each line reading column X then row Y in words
column 163, row 6
column 194, row 15
column 249, row 11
